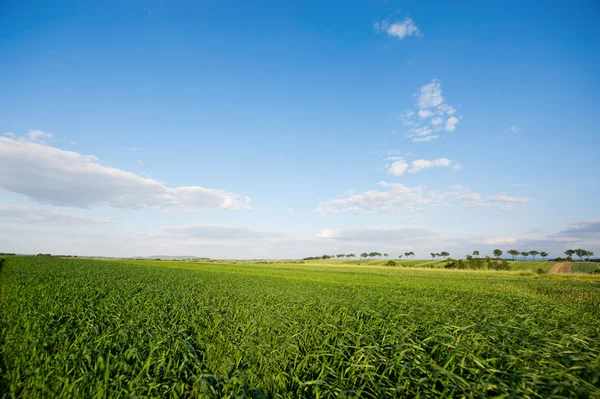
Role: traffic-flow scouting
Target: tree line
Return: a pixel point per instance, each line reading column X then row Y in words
column 581, row 253
column 515, row 253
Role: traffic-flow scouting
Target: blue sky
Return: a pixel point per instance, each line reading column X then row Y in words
column 298, row 128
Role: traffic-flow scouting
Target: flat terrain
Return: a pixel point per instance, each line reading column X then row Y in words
column 99, row 328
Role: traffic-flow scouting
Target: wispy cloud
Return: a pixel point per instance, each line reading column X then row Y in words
column 38, row 135
column 398, row 198
column 399, row 166
column 430, row 116
column 36, row 215
column 398, row 29
column 385, row 235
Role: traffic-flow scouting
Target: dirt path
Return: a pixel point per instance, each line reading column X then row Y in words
column 561, row 267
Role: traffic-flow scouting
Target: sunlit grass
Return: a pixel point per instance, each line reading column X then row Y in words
column 87, row 328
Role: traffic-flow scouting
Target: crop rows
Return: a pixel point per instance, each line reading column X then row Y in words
column 84, row 328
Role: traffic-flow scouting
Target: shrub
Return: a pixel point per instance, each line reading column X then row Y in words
column 456, row 264
column 540, row 271
column 502, row 265
column 391, row 263
column 475, row 263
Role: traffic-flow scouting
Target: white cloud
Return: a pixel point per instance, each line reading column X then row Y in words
column 431, row 95
column 38, row 135
column 398, row 168
column 380, row 235
column 514, row 129
column 430, row 116
column 10, row 134
column 36, row 215
column 420, row 164
column 471, row 199
column 399, row 30
column 66, row 178
column 420, row 134
column 425, row 113
column 398, row 198
column 425, row 139
column 451, row 124
column 445, row 109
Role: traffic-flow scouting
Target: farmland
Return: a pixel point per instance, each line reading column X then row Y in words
column 106, row 328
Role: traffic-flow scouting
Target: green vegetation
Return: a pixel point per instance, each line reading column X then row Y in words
column 585, row 267
column 90, row 328
column 531, row 266
column 581, row 253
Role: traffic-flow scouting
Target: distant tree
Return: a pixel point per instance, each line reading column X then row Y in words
column 580, row 252
column 406, row 254
column 385, row 255
column 525, row 254
column 589, row 254
column 350, row 256
column 432, row 255
column 497, row 253
column 364, row 255
column 544, row 255
column 400, row 256
column 475, row 253
column 437, row 255
column 445, row 254
column 340, row 256
column 412, row 254
column 326, row 257
column 534, row 253
column 514, row 253
column 569, row 253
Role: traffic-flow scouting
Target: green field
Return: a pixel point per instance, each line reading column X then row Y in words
column 98, row 328
column 531, row 265
column 379, row 262
column 585, row 267
column 518, row 265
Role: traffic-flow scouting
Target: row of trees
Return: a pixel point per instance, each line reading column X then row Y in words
column 364, row 255
column 443, row 254
column 581, row 253
column 515, row 253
